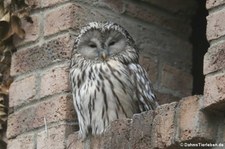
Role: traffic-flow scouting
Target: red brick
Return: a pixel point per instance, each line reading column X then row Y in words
column 55, row 109
column 22, row 91
column 150, row 66
column 54, row 138
column 193, row 124
column 215, row 25
column 175, row 6
column 32, row 30
column 141, row 128
column 55, row 80
column 52, row 2
column 22, row 142
column 214, row 59
column 164, row 128
column 118, row 134
column 68, row 16
column 116, row 5
column 152, row 16
column 177, row 80
column 214, row 3
column 29, row 59
column 214, row 97
column 74, row 141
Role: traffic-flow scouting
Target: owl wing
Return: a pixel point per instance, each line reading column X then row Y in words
column 144, row 91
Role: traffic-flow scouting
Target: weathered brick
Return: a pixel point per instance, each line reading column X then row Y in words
column 215, row 25
column 29, row 59
column 52, row 2
column 214, row 3
column 214, row 97
column 54, row 109
column 118, row 134
column 150, row 66
column 193, row 124
column 55, row 80
column 32, row 30
column 175, row 79
column 178, row 7
column 151, row 16
column 214, row 59
column 164, row 128
column 22, row 91
column 22, row 142
column 74, row 141
column 115, row 5
column 54, row 138
column 68, row 16
column 141, row 128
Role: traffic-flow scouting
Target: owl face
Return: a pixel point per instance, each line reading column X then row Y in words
column 103, row 41
column 101, row 45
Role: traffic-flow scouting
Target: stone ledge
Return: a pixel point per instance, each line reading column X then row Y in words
column 166, row 127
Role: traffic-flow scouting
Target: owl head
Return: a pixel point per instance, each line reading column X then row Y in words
column 104, row 41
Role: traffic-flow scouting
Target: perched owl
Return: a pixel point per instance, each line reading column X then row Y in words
column 107, row 81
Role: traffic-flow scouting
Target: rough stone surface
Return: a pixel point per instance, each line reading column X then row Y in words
column 215, row 25
column 73, row 141
column 176, row 79
column 193, row 124
column 149, row 15
column 52, row 2
column 214, row 3
column 29, row 59
column 118, row 134
column 22, row 142
column 115, row 5
column 54, row 109
column 164, row 128
column 22, row 91
column 32, row 30
column 54, row 138
column 68, row 16
column 214, row 59
column 178, row 7
column 141, row 130
column 55, row 80
column 214, row 92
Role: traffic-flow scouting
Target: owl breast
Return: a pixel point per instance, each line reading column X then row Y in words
column 103, row 92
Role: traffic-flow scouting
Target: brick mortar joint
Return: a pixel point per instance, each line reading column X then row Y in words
column 50, row 125
column 216, row 9
column 216, row 41
column 38, row 101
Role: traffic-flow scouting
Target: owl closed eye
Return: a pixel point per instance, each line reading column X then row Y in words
column 101, row 45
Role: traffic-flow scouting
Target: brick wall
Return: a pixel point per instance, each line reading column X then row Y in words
column 40, row 104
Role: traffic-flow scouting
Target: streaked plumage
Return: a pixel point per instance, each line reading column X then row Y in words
column 107, row 81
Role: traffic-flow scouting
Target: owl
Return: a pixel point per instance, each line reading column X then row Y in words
column 107, row 81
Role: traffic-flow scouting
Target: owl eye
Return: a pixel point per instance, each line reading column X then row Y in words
column 92, row 45
column 112, row 43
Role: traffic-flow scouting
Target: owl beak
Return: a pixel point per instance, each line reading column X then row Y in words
column 104, row 56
